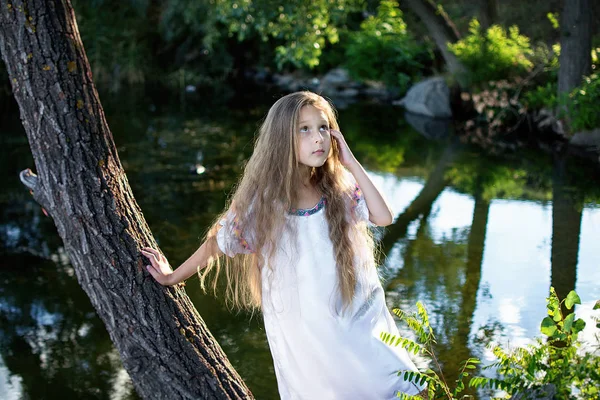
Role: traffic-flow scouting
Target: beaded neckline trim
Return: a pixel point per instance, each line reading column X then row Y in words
column 308, row 211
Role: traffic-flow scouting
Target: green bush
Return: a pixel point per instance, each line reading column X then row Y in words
column 296, row 31
column 582, row 105
column 494, row 54
column 553, row 361
column 579, row 106
column 595, row 58
column 383, row 50
column 542, row 96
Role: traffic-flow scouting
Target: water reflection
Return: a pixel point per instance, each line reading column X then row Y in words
column 566, row 228
column 52, row 343
column 477, row 239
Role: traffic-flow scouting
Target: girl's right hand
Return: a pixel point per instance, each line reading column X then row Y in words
column 160, row 269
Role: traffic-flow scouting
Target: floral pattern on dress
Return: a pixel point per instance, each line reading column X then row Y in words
column 356, row 197
column 230, row 239
column 303, row 212
column 359, row 209
column 237, row 231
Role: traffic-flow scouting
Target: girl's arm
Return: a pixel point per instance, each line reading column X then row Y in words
column 161, row 270
column 380, row 212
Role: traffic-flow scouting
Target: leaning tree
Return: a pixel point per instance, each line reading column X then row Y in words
column 164, row 344
column 442, row 31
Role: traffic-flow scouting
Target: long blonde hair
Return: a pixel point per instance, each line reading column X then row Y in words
column 268, row 190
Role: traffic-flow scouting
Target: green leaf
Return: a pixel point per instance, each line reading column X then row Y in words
column 557, row 315
column 597, row 305
column 578, row 325
column 572, row 299
column 569, row 322
column 548, row 327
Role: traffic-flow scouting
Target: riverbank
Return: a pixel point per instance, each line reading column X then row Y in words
column 431, row 104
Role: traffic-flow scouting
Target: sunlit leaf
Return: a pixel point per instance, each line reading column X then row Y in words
column 572, row 299
column 548, row 327
column 568, row 322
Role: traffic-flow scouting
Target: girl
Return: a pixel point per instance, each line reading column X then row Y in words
column 298, row 247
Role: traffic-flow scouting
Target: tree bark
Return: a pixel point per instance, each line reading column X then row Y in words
column 164, row 344
column 488, row 13
column 442, row 31
column 575, row 44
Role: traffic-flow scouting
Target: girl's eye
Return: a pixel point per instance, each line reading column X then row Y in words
column 324, row 128
column 304, row 129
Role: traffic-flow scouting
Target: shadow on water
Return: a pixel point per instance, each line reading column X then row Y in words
column 444, row 247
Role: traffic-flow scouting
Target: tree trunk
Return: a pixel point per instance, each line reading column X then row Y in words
column 575, row 44
column 442, row 30
column 164, row 345
column 488, row 13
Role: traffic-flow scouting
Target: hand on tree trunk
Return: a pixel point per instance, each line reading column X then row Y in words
column 160, row 269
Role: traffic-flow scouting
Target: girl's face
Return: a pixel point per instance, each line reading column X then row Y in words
column 314, row 140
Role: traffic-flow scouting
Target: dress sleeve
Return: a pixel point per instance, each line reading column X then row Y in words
column 229, row 237
column 360, row 211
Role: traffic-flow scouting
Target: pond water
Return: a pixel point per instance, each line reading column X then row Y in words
column 478, row 239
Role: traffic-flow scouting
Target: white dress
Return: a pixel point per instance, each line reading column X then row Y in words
column 318, row 352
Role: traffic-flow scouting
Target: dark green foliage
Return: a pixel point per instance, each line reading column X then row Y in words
column 542, row 96
column 383, row 49
column 195, row 49
column 582, row 105
column 298, row 29
column 117, row 37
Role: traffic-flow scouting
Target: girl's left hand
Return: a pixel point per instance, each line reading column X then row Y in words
column 346, row 156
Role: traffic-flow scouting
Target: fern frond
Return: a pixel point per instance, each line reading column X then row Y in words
column 481, row 382
column 405, row 343
column 420, row 378
column 405, row 396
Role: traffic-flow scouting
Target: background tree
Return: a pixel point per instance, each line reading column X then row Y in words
column 165, row 346
column 488, row 13
column 442, row 30
column 575, row 44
